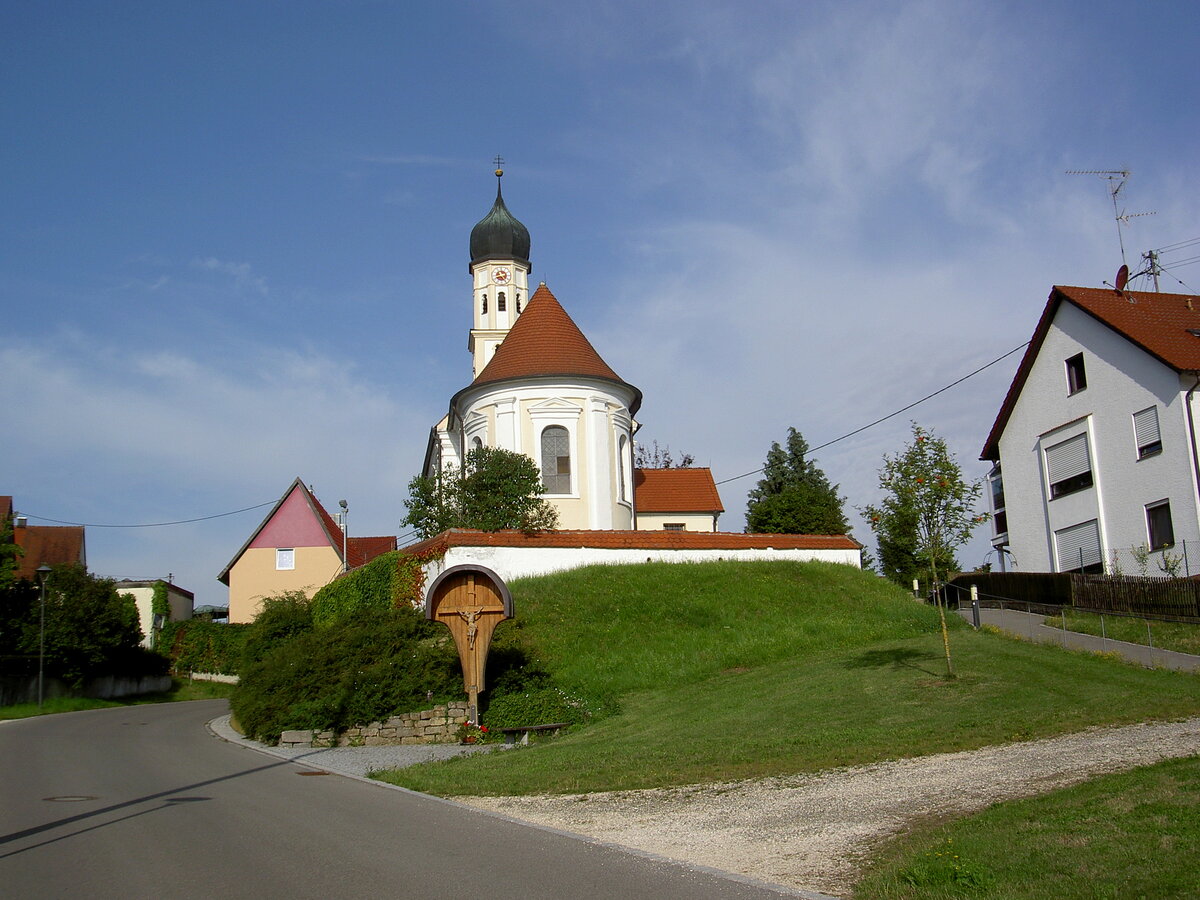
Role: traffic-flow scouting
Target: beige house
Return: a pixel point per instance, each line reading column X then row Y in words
column 298, row 547
column 181, row 604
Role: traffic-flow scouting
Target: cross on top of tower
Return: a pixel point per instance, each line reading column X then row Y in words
column 499, row 161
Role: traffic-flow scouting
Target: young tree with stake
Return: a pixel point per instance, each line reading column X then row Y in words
column 927, row 505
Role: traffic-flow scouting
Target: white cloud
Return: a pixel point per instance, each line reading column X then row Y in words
column 242, row 274
column 114, row 435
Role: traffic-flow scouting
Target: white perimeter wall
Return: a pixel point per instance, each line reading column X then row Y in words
column 524, row 562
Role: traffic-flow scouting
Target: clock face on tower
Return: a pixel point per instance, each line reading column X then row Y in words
column 501, row 275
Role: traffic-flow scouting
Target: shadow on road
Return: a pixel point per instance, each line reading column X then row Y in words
column 168, row 798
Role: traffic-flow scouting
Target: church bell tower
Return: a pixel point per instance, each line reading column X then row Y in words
column 500, row 270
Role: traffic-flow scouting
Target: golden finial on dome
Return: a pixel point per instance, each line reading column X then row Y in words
column 499, row 161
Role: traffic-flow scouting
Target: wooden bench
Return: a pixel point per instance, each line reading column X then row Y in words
column 510, row 734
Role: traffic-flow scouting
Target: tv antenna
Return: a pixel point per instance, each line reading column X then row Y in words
column 1116, row 181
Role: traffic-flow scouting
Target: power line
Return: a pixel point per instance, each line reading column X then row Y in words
column 897, row 412
column 150, row 524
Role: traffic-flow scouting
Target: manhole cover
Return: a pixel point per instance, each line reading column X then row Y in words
column 68, row 798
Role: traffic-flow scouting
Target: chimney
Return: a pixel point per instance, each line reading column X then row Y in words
column 21, row 522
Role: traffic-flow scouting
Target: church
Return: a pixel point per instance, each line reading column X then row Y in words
column 540, row 388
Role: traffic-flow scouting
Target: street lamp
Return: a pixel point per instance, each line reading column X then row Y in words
column 345, row 513
column 42, row 571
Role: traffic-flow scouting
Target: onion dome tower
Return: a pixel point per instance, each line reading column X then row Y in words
column 500, row 270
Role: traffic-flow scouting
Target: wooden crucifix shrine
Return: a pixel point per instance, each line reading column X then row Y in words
column 471, row 601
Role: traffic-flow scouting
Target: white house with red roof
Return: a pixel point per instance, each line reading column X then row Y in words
column 299, row 546
column 1095, row 447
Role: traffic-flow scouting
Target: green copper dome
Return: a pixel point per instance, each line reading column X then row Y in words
column 499, row 235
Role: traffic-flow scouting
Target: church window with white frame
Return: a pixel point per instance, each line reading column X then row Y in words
column 556, row 460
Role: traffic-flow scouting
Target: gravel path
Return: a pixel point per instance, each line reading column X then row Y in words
column 811, row 832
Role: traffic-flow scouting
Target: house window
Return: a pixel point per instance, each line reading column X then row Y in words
column 1145, row 432
column 1158, row 525
column 1079, row 548
column 999, row 516
column 483, row 304
column 1076, row 376
column 500, row 302
column 556, row 460
column 1069, row 467
column 285, row 560
column 674, row 526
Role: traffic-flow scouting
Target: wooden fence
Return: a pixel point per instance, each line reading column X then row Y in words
column 1161, row 598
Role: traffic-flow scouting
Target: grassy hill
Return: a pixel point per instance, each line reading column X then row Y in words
column 724, row 671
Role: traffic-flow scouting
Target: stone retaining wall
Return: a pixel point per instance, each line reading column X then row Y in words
column 429, row 726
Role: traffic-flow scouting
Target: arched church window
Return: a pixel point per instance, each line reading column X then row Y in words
column 476, row 444
column 518, row 304
column 483, row 304
column 556, row 460
column 500, row 306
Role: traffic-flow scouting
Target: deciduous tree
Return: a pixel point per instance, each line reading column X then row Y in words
column 928, row 510
column 497, row 490
column 653, row 457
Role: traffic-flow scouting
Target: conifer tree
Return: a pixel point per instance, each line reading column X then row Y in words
column 794, row 496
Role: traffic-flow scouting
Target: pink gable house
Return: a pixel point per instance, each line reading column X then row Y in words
column 298, row 547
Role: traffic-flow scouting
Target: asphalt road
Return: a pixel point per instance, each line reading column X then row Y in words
column 143, row 801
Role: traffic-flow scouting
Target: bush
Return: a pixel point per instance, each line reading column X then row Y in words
column 351, row 674
column 198, row 645
column 543, row 706
column 366, row 591
column 283, row 617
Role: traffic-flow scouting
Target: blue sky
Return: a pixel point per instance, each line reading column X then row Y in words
column 235, row 234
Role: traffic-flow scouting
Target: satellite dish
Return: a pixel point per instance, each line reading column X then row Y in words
column 1122, row 277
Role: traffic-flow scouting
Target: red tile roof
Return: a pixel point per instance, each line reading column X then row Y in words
column 362, row 550
column 1159, row 324
column 48, row 545
column 637, row 540
column 546, row 341
column 676, row 491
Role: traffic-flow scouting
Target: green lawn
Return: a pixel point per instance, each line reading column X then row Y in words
column 181, row 690
column 731, row 671
column 1179, row 636
column 1134, row 834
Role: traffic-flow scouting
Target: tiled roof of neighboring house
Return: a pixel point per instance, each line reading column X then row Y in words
column 48, row 545
column 1163, row 325
column 545, row 341
column 359, row 550
column 638, row 540
column 362, row 550
column 675, row 490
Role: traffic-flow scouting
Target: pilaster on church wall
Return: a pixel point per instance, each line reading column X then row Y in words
column 601, row 481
